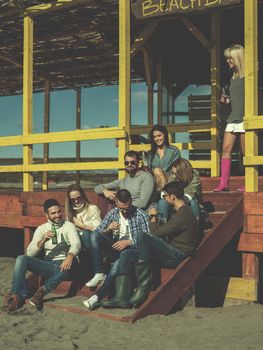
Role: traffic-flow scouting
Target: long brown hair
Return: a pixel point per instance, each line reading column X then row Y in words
column 69, row 210
column 184, row 170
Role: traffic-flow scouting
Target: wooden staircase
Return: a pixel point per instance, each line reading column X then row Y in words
column 226, row 214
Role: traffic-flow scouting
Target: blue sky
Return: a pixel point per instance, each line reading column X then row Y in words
column 99, row 107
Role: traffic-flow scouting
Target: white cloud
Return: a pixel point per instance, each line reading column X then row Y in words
column 86, row 127
column 139, row 96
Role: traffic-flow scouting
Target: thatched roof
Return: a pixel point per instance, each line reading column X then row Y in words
column 78, row 46
column 74, row 47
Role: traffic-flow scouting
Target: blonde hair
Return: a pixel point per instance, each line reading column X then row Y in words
column 236, row 52
column 184, row 170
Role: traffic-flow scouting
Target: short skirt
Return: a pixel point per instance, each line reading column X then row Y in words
column 235, row 128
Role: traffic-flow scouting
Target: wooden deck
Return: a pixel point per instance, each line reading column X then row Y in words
column 24, row 211
column 227, row 220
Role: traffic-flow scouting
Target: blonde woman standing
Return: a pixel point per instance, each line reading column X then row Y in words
column 234, row 129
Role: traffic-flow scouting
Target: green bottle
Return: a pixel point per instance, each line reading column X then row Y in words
column 55, row 236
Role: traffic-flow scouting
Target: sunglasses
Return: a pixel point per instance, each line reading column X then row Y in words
column 132, row 162
column 76, row 199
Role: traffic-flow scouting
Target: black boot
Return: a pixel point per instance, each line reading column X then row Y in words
column 143, row 276
column 122, row 293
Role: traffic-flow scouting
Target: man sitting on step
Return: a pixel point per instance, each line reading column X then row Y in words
column 139, row 183
column 169, row 243
column 59, row 241
column 116, row 236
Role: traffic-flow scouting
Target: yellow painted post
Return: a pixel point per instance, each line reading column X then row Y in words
column 215, row 92
column 124, row 77
column 251, row 89
column 78, row 127
column 46, row 130
column 27, row 99
column 249, row 283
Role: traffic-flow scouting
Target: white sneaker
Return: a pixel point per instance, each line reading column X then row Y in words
column 91, row 302
column 97, row 279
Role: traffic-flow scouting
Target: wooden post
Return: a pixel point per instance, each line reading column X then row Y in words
column 27, row 99
column 149, row 81
column 46, row 130
column 215, row 92
column 78, row 127
column 124, row 77
column 160, row 90
column 251, row 89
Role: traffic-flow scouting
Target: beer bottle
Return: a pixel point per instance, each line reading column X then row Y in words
column 55, row 236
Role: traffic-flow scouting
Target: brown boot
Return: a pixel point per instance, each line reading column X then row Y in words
column 13, row 302
column 37, row 299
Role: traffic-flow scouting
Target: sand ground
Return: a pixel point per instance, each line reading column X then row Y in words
column 230, row 328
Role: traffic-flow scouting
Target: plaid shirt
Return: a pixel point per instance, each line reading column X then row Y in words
column 138, row 222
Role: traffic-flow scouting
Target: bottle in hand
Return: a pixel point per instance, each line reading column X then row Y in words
column 55, row 236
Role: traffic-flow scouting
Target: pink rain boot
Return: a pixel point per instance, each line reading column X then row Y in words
column 225, row 172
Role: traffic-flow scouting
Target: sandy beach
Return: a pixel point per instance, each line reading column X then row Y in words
column 233, row 328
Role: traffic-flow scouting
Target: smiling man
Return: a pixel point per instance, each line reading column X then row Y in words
column 139, row 183
column 59, row 241
column 117, row 237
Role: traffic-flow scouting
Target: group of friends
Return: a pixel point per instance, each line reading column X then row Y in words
column 156, row 221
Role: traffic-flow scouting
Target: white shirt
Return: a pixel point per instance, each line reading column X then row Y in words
column 70, row 235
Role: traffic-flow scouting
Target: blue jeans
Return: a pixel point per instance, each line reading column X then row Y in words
column 156, row 249
column 122, row 266
column 163, row 208
column 85, row 238
column 99, row 243
column 47, row 269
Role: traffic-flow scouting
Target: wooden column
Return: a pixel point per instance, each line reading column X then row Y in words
column 149, row 81
column 250, row 262
column 27, row 100
column 215, row 92
column 124, row 77
column 46, row 130
column 251, row 89
column 247, row 287
column 78, row 127
column 159, row 90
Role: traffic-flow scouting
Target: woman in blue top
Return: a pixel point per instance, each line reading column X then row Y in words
column 160, row 160
column 234, row 129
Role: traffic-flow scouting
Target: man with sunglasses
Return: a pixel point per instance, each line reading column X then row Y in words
column 139, row 183
column 116, row 236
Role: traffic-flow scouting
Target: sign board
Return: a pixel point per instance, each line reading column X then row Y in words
column 153, row 8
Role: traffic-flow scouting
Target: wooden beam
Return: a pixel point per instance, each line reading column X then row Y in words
column 159, row 89
column 143, row 37
column 242, row 289
column 46, row 130
column 78, row 127
column 64, row 136
column 251, row 242
column 52, row 7
column 62, row 166
column 124, row 77
column 252, row 161
column 27, row 100
column 251, row 93
column 196, row 33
